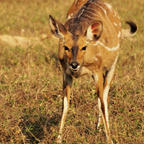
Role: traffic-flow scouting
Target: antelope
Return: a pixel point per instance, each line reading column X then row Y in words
column 89, row 43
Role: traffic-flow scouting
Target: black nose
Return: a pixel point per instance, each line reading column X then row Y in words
column 74, row 65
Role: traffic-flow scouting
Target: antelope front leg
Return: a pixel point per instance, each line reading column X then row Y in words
column 95, row 76
column 67, row 82
column 103, row 106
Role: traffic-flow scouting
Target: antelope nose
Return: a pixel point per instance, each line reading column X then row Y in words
column 74, row 65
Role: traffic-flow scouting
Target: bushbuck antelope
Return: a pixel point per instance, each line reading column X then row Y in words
column 89, row 43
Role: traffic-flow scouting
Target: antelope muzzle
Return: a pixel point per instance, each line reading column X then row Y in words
column 74, row 66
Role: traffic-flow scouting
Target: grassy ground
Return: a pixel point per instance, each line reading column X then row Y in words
column 31, row 81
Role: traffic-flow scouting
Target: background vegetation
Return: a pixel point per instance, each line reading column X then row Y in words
column 31, row 81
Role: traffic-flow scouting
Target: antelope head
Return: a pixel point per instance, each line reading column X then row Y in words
column 75, row 40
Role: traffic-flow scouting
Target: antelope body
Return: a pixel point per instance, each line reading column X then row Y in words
column 89, row 44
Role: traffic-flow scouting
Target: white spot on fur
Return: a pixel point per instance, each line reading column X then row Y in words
column 115, row 24
column 95, row 58
column 108, row 6
column 70, row 16
column 119, row 34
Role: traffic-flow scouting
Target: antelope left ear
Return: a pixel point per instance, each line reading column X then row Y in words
column 94, row 31
column 57, row 28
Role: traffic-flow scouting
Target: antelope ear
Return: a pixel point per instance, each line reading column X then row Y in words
column 57, row 28
column 94, row 31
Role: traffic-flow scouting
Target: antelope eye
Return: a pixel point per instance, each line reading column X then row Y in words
column 66, row 48
column 84, row 48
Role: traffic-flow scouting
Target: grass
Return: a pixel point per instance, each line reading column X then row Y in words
column 31, row 81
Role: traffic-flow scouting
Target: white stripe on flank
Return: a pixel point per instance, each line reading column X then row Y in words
column 98, row 5
column 82, row 11
column 90, row 11
column 102, row 9
column 107, row 48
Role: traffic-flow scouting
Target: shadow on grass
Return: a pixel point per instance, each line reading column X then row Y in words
column 36, row 131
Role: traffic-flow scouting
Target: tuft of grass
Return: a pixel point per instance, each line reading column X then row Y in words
column 31, row 81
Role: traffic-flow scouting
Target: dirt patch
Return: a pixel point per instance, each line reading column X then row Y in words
column 21, row 41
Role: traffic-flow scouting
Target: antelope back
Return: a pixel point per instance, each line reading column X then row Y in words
column 88, row 11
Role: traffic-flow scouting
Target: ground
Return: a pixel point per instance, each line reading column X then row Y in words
column 31, row 80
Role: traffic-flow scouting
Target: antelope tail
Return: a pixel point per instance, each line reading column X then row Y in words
column 129, row 32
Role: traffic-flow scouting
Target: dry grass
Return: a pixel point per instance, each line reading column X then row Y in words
column 31, row 81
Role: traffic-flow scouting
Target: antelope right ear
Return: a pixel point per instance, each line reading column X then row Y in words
column 94, row 31
column 57, row 28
